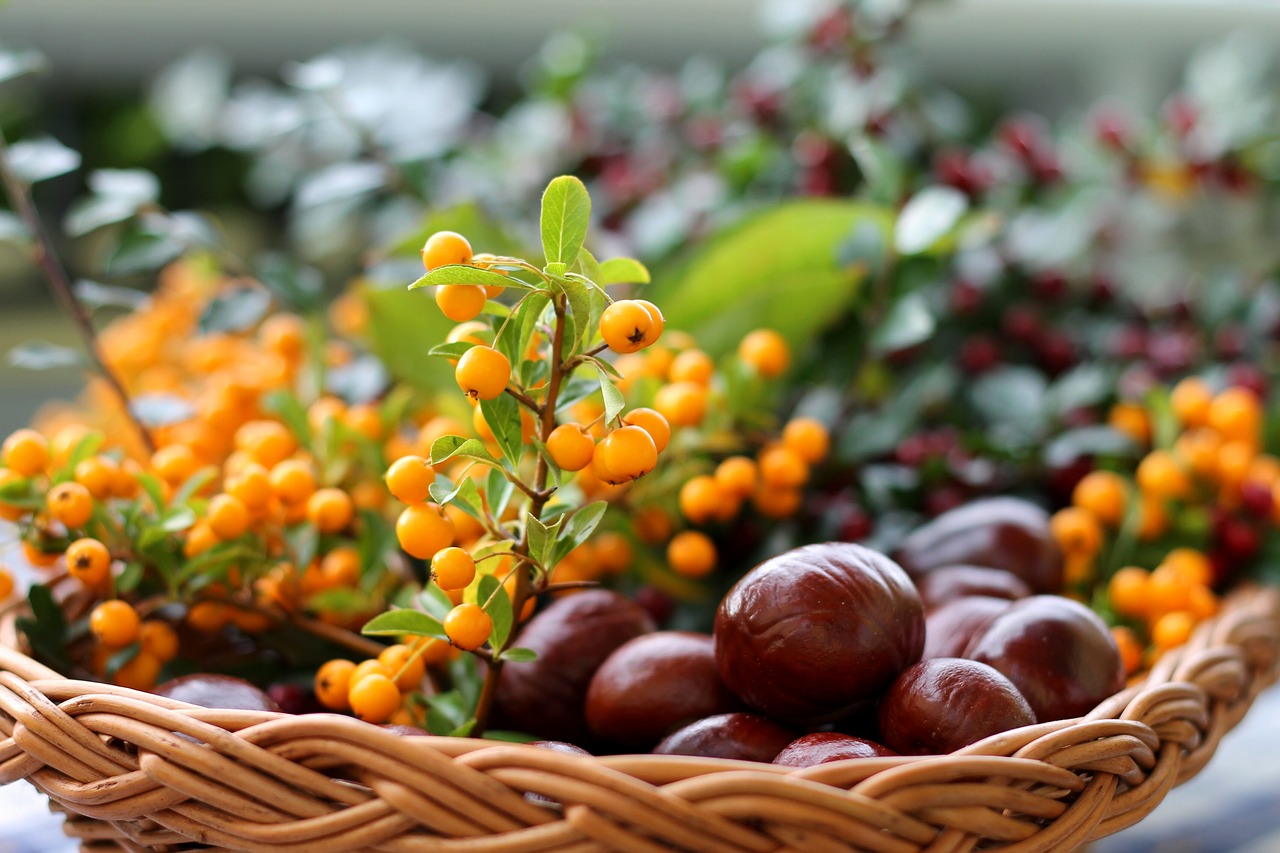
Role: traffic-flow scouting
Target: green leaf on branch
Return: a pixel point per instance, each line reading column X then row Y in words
column 556, row 270
column 285, row 405
column 448, row 446
column 622, row 271
column 464, row 495
column 541, row 538
column 516, row 655
column 566, row 213
column 435, row 601
column 396, row 622
column 498, row 489
column 454, row 350
column 614, row 402
column 466, row 274
column 502, row 414
column 399, row 324
column 35, row 160
column 492, row 596
column 46, row 628
column 778, row 269
column 907, row 323
column 587, row 266
column 577, row 530
column 578, row 316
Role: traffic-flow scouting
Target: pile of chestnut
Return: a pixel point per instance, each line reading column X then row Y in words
column 830, row 651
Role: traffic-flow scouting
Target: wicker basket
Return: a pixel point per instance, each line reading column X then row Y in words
column 137, row 772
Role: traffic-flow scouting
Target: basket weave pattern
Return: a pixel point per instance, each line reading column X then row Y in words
column 137, row 772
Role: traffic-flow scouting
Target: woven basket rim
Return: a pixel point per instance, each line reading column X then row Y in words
column 267, row 781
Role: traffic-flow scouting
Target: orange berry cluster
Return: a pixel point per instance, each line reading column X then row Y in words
column 377, row 690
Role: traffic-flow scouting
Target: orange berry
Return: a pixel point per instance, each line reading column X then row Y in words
column 70, row 504
column 482, row 373
column 410, row 477
column 141, row 673
column 266, row 442
column 468, row 626
column 682, row 403
column 1131, row 420
column 114, row 623
column 808, row 437
column 1130, row 648
column 1236, row 413
column 37, row 556
column 369, row 667
column 423, row 531
column 251, row 485
column 89, row 561
column 1103, row 493
column 444, row 248
column 364, row 420
column 652, row 524
column 1167, row 590
column 1127, row 591
column 26, row 452
column 453, row 568
column 1190, row 400
column 227, row 516
column 174, row 463
column 341, row 567
column 435, row 651
column 1235, row 458
column 1153, row 519
column 782, row 468
column 737, row 475
column 626, row 454
column 285, row 335
column 1160, row 475
column 571, row 447
column 1264, row 470
column 1199, row 448
column 1172, row 629
column 292, row 481
column 208, row 617
column 1076, row 531
column 777, row 502
column 766, row 352
column 374, row 698
column 692, row 365
column 691, row 553
column 159, row 639
column 628, row 326
column 97, row 474
column 333, row 680
column 1192, row 565
column 10, row 512
column 330, row 510
column 200, row 538
column 1201, row 601
column 65, row 441
column 6, row 584
column 702, row 498
column 652, row 422
column 460, row 302
column 407, row 668
column 659, row 322
column 613, row 552
column 324, row 410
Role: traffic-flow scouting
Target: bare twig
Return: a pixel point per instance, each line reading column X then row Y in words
column 54, row 273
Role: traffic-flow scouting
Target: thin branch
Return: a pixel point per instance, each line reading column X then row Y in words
column 524, row 399
column 54, row 273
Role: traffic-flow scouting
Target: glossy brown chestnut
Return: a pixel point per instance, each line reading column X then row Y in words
column 572, row 637
column 654, row 684
column 217, row 691
column 948, row 583
column 950, row 629
column 749, row 737
column 822, row 747
column 999, row 533
column 942, row 704
column 808, row 635
column 1057, row 652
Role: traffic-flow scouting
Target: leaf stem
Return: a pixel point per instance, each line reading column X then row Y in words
column 56, row 276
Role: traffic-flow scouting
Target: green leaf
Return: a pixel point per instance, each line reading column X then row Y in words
column 588, row 266
column 446, row 712
column 1069, row 446
column 502, row 413
column 15, row 63
column 142, row 251
column 566, row 212
column 235, row 310
column 464, row 730
column 400, row 325
column 463, row 495
column 130, row 577
column 151, row 485
column 505, row 734
column 578, row 313
column 776, row 269
column 614, row 402
column 907, row 323
column 498, row 489
column 556, row 270
column 42, row 355
column 285, row 405
column 97, row 295
column 35, row 160
column 448, row 446
column 1011, row 399
column 541, row 538
column 493, row 596
column 435, row 601
column 172, row 520
column 120, row 659
column 515, row 655
column 577, row 530
column 193, row 484
column 622, row 271
column 465, row 274
column 397, row 622
column 454, row 351
column 929, row 216
column 46, row 628
column 303, row 541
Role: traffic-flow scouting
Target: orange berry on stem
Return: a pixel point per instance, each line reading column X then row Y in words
column 682, row 403
column 772, row 502
column 453, row 568
column 737, row 475
column 141, row 673
column 482, row 373
column 1130, row 648
column 26, row 452
column 330, row 510
column 808, row 437
column 114, row 623
column 1160, row 475
column 292, row 481
column 652, row 422
column 227, row 516
column 333, row 681
column 691, row 553
column 460, row 302
column 1236, row 413
column 97, row 474
column 410, row 477
column 6, row 584
column 70, row 504
column 1103, row 493
column 251, row 485
column 1076, row 531
column 702, row 498
column 1131, row 420
column 159, row 639
column 374, row 698
column 1190, row 400
column 407, row 668
column 626, row 454
column 174, row 463
column 1173, row 629
column 89, row 561
column 766, row 352
column 340, row 567
column 444, row 248
column 783, row 468
column 1191, row 564
column 628, row 326
column 692, row 365
column 571, row 447
column 422, row 530
column 468, row 626
column 1127, row 591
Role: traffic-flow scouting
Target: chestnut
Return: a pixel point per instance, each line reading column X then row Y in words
column 948, row 583
column 949, row 629
column 823, row 747
column 216, row 691
column 748, row 737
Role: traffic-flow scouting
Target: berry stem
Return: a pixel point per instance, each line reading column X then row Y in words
column 56, row 276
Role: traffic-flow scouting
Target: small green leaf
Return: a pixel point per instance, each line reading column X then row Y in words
column 236, row 309
column 285, row 405
column 622, row 271
column 435, row 601
column 614, row 402
column 448, row 446
column 907, row 323
column 446, row 712
column 46, row 627
column 397, row 622
column 516, row 655
column 151, row 485
column 302, row 541
column 498, row 489
column 502, row 414
column 130, row 577
column 97, row 295
column 577, row 530
column 566, row 213
column 541, row 538
column 463, row 495
column 121, row 659
column 464, row 730
column 193, row 484
column 588, row 266
column 556, row 269
column 454, row 351
column 579, row 298
column 929, row 216
column 35, row 160
column 464, row 274
column 493, row 597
